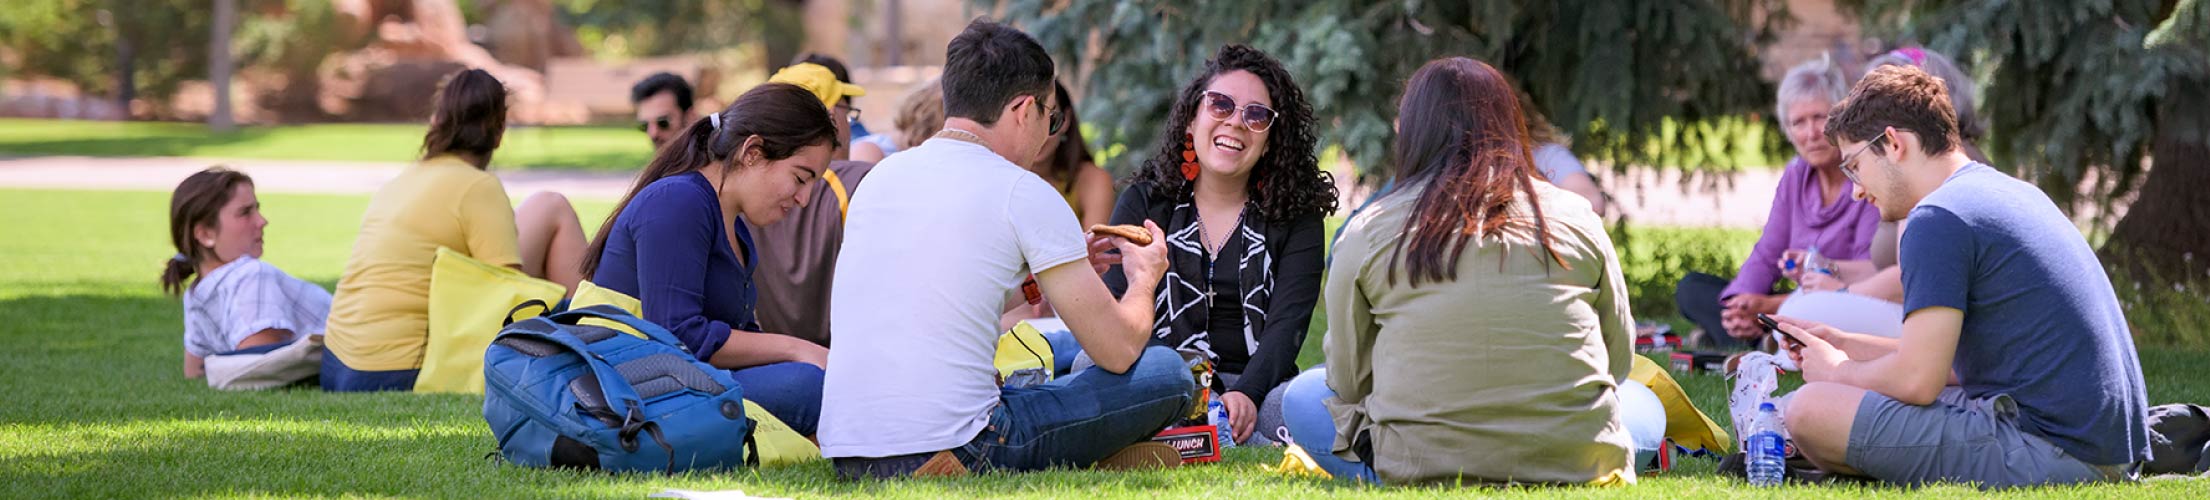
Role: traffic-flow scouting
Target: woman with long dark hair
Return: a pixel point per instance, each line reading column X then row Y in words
column 1477, row 319
column 678, row 241
column 233, row 302
column 1237, row 188
column 1070, row 168
column 379, row 317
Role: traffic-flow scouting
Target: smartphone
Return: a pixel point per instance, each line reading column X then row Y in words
column 1773, row 326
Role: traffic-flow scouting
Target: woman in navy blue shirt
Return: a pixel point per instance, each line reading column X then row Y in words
column 676, row 242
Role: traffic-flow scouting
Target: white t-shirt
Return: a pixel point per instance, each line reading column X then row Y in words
column 942, row 234
column 1555, row 160
column 243, row 298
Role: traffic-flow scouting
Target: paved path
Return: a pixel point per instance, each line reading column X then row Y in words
column 272, row 176
column 1646, row 196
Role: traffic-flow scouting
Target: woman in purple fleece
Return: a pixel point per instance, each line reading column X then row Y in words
column 1813, row 207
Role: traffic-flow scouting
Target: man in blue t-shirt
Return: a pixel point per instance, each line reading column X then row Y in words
column 2015, row 366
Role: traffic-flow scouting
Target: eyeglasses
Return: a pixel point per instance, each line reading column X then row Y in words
column 851, row 113
column 1849, row 161
column 1256, row 117
column 646, row 125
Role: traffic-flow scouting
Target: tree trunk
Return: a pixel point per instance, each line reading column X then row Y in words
column 2170, row 221
column 219, row 66
column 126, row 86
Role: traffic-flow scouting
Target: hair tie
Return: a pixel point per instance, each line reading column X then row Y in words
column 715, row 120
column 1915, row 54
column 180, row 258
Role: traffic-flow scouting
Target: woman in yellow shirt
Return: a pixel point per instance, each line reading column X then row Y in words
column 379, row 317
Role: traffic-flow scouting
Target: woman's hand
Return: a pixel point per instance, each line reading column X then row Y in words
column 1102, row 257
column 1242, row 414
column 806, row 352
column 1821, row 282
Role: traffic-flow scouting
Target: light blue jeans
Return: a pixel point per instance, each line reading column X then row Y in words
column 1305, row 411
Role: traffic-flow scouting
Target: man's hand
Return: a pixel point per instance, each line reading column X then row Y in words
column 1242, row 414
column 1144, row 263
column 1820, row 361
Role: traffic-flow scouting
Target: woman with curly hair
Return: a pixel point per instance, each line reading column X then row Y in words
column 1237, row 189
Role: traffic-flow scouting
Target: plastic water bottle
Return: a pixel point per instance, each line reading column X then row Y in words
column 1217, row 415
column 1767, row 450
column 1815, row 263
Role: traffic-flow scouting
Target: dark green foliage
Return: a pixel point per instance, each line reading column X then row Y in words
column 2070, row 88
column 79, row 41
column 1667, row 83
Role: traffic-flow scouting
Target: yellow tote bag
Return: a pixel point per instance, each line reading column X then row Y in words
column 591, row 294
column 1684, row 424
column 469, row 303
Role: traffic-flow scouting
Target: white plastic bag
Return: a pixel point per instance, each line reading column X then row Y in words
column 1756, row 376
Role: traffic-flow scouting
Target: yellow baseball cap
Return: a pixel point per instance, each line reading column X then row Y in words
column 819, row 80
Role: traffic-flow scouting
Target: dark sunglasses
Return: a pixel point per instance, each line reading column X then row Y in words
column 646, row 125
column 1256, row 117
column 1056, row 115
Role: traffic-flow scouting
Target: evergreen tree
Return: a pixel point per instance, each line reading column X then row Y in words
column 1670, row 82
column 2080, row 90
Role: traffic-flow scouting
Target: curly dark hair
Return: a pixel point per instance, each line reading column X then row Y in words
column 1287, row 181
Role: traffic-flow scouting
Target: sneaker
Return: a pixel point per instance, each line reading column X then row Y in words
column 1141, row 456
column 943, row 464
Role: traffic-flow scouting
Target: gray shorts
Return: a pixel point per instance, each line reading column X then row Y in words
column 1960, row 440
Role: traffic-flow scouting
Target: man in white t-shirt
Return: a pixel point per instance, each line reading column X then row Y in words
column 934, row 246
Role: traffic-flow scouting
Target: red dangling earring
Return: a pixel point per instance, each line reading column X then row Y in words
column 1189, row 157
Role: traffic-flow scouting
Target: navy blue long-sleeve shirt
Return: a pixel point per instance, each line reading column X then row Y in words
column 669, row 250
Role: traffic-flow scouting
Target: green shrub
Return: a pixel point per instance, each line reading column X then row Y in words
column 1655, row 258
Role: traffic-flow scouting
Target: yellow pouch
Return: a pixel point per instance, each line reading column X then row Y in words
column 1023, row 348
column 1684, row 424
column 1294, row 462
column 469, row 302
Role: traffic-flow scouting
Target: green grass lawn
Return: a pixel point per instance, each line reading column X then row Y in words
column 95, row 406
column 585, row 148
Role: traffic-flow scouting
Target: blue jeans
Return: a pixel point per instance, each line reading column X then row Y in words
column 789, row 390
column 336, row 377
column 1305, row 411
column 1071, row 421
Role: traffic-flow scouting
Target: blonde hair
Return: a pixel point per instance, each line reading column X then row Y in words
column 921, row 115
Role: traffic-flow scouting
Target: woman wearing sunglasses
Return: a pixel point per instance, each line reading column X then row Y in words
column 1236, row 188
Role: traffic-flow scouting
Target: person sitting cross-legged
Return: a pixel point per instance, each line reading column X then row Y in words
column 1478, row 328
column 2000, row 292
column 934, row 246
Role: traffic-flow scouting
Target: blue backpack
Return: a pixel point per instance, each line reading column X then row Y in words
column 560, row 394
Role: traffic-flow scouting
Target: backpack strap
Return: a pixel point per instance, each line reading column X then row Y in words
column 616, row 314
column 542, row 308
column 843, row 198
